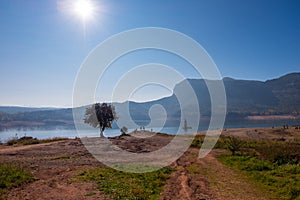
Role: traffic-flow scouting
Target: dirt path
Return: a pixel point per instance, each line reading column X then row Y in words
column 207, row 178
column 186, row 182
column 226, row 183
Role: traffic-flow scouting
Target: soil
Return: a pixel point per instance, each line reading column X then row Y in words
column 54, row 165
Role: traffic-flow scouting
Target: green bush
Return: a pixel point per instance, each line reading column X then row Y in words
column 233, row 144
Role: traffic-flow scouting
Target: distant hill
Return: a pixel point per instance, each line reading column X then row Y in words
column 46, row 119
column 245, row 98
column 19, row 109
column 287, row 91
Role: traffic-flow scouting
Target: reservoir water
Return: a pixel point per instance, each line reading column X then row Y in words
column 72, row 133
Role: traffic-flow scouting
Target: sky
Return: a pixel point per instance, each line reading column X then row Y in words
column 44, row 43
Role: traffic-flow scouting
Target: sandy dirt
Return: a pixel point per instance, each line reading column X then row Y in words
column 55, row 164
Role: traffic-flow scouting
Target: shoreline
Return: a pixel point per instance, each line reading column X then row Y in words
column 72, row 133
column 256, row 133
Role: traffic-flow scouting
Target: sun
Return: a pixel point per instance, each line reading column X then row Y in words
column 88, row 12
column 84, row 9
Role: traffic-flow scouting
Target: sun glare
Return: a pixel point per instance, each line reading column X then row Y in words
column 84, row 9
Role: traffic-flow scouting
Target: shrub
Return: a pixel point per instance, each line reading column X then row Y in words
column 124, row 130
column 233, row 144
column 12, row 142
column 197, row 142
column 28, row 140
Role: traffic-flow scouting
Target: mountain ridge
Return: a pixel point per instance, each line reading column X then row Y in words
column 279, row 96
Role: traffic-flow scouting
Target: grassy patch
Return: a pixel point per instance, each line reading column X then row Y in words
column 30, row 140
column 136, row 168
column 224, row 142
column 283, row 180
column 274, row 165
column 122, row 185
column 90, row 194
column 280, row 152
column 12, row 176
column 61, row 157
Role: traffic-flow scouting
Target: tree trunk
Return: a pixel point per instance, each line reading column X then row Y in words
column 101, row 132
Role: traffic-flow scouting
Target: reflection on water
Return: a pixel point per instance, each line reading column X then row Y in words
column 72, row 133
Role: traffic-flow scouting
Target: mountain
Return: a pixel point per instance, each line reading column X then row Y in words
column 287, row 90
column 277, row 96
column 245, row 98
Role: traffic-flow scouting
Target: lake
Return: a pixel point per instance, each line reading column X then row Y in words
column 72, row 133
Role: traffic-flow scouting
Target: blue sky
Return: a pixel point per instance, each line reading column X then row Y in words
column 42, row 47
